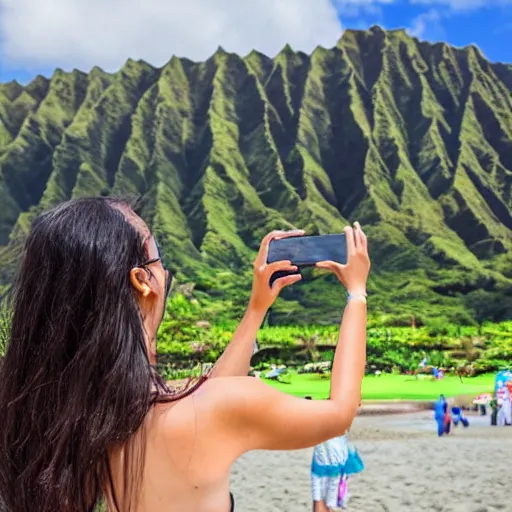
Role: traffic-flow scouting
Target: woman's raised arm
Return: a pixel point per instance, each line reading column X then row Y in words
column 260, row 417
column 236, row 359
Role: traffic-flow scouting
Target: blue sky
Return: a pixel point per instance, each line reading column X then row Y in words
column 36, row 36
column 487, row 24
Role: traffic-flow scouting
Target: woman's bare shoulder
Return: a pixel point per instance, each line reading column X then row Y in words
column 207, row 401
column 202, row 423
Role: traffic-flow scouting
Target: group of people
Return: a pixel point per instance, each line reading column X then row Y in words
column 86, row 417
column 445, row 416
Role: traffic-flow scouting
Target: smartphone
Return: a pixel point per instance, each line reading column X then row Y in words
column 306, row 251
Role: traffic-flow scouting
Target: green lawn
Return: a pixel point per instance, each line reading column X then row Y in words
column 390, row 387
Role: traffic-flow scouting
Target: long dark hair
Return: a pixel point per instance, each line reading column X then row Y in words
column 76, row 381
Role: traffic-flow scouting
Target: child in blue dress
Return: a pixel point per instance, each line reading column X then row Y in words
column 333, row 462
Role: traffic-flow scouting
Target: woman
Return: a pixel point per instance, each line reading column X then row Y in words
column 83, row 411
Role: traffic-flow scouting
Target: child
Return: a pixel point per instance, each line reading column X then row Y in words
column 333, row 462
column 327, row 472
column 458, row 416
column 447, row 419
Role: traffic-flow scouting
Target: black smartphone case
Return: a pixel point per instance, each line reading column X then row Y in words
column 306, row 251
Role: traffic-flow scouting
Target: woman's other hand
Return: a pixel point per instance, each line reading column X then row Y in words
column 354, row 273
column 263, row 295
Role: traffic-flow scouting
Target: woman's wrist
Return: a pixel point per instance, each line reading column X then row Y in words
column 357, row 291
column 358, row 297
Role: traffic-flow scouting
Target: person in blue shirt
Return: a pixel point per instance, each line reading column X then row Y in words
column 458, row 417
column 439, row 413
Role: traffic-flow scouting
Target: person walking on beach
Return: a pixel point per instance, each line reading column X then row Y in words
column 494, row 411
column 439, row 415
column 86, row 417
column 505, row 410
column 333, row 462
column 327, row 474
column 447, row 419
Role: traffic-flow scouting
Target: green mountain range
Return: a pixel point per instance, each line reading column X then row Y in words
column 414, row 140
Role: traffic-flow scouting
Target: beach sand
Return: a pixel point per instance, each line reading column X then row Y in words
column 407, row 469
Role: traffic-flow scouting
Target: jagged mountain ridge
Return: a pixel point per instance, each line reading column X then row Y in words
column 412, row 139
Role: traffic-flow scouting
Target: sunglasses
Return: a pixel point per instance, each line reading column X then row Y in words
column 169, row 276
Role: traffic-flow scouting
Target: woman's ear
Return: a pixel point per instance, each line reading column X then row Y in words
column 139, row 278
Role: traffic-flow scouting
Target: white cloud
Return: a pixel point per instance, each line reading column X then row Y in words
column 83, row 33
column 426, row 21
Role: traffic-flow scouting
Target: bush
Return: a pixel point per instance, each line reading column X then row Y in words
column 196, row 331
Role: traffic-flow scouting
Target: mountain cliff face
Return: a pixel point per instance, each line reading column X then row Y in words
column 413, row 140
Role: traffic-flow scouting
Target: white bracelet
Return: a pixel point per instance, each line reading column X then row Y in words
column 361, row 296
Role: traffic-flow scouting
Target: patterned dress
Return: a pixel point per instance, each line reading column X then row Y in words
column 329, row 458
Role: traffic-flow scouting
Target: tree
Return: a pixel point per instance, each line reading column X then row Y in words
column 310, row 344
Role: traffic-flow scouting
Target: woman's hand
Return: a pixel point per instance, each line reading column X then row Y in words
column 354, row 274
column 263, row 295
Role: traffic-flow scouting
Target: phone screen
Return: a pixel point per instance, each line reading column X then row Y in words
column 305, row 251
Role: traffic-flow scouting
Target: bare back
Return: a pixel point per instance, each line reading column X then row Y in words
column 187, row 460
column 192, row 444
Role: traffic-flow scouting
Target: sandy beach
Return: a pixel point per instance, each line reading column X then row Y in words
column 407, row 469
